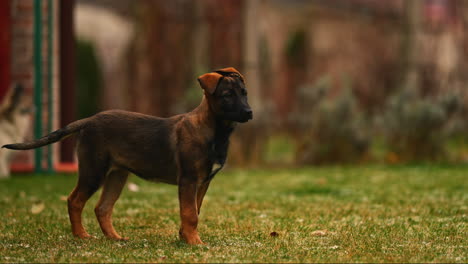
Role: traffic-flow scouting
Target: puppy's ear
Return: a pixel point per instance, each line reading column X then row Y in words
column 228, row 70
column 209, row 81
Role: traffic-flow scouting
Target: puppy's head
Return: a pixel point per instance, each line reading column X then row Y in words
column 226, row 94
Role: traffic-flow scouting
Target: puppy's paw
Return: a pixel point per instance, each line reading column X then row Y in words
column 195, row 241
column 192, row 239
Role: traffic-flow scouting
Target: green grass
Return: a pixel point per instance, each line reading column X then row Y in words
column 370, row 214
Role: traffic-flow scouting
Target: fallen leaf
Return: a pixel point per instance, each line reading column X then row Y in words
column 133, row 187
column 320, row 233
column 63, row 197
column 37, row 208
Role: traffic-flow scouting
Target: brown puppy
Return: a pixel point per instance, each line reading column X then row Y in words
column 187, row 150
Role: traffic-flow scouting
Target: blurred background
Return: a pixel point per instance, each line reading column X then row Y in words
column 330, row 81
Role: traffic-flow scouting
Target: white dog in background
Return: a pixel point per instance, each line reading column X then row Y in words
column 15, row 119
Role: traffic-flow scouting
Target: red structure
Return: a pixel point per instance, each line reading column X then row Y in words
column 67, row 76
column 17, row 36
column 5, row 47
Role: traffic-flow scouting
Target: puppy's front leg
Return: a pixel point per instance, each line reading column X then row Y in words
column 188, row 212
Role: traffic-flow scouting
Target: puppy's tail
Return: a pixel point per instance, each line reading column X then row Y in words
column 53, row 137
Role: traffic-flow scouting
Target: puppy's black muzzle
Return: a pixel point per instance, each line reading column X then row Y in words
column 246, row 116
column 249, row 114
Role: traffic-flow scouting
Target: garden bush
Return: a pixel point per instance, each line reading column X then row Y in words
column 416, row 128
column 333, row 128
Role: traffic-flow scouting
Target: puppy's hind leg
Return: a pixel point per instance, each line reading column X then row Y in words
column 112, row 188
column 92, row 170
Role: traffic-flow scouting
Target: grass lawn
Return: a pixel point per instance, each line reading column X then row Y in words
column 365, row 214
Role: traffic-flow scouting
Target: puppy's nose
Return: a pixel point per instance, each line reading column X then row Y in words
column 249, row 114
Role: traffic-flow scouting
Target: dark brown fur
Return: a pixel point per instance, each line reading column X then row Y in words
column 187, row 150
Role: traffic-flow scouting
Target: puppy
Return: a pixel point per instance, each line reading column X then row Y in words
column 185, row 150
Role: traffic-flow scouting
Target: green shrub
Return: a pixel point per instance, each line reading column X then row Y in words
column 88, row 80
column 333, row 128
column 416, row 128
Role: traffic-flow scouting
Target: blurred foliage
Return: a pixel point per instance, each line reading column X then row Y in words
column 334, row 129
column 416, row 128
column 88, row 80
column 411, row 128
column 296, row 46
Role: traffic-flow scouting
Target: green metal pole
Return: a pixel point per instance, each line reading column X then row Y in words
column 50, row 103
column 38, row 81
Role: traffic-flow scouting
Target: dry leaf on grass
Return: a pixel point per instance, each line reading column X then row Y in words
column 37, row 208
column 133, row 187
column 320, row 233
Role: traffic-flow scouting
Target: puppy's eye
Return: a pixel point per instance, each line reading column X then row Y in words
column 228, row 94
column 244, row 92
